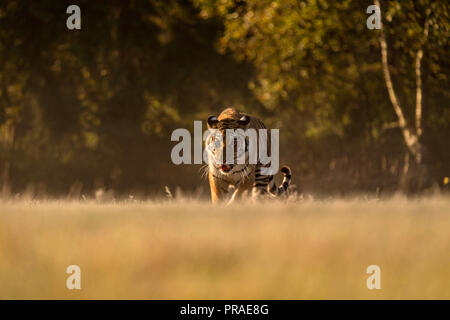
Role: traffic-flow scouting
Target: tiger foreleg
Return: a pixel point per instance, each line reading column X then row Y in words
column 219, row 191
column 241, row 191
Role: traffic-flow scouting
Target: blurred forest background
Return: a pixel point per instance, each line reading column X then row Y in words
column 95, row 108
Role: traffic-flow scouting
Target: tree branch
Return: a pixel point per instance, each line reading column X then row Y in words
column 419, row 57
column 390, row 125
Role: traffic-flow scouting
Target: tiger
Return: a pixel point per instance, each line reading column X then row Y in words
column 245, row 178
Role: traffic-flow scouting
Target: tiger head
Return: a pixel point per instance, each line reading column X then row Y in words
column 219, row 141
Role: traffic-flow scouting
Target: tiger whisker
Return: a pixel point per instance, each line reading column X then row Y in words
column 204, row 171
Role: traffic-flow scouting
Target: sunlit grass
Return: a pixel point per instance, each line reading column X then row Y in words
column 193, row 250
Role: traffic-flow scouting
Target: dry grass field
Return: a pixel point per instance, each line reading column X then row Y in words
column 192, row 250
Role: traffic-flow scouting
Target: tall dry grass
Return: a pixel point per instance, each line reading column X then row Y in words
column 193, row 250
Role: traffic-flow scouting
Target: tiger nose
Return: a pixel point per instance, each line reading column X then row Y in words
column 226, row 168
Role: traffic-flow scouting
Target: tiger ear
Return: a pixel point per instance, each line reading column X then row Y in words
column 212, row 122
column 244, row 120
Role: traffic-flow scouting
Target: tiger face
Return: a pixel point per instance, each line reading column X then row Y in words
column 224, row 137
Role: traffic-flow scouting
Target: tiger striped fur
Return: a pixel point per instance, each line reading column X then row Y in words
column 246, row 177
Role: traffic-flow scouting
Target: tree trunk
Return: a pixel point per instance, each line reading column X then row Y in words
column 7, row 132
column 403, row 180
